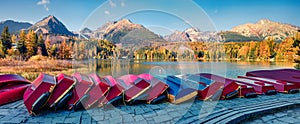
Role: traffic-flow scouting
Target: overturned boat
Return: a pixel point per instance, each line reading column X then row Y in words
column 134, row 88
column 115, row 94
column 12, row 88
column 83, row 84
column 97, row 92
column 157, row 92
column 37, row 95
column 62, row 91
column 230, row 87
column 178, row 91
column 207, row 89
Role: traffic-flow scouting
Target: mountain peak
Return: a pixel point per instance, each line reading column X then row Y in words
column 51, row 25
column 264, row 21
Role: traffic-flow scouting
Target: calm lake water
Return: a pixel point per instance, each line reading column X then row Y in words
column 118, row 68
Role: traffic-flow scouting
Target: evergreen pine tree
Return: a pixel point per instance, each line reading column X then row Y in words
column 21, row 43
column 5, row 40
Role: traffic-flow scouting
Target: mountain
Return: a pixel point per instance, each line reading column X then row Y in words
column 126, row 33
column 230, row 36
column 51, row 25
column 266, row 28
column 14, row 26
column 177, row 36
column 86, row 33
column 192, row 34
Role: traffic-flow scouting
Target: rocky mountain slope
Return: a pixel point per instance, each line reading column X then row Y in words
column 266, row 28
column 51, row 25
column 192, row 34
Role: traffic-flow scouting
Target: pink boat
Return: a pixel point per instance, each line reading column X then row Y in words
column 156, row 93
column 230, row 89
column 114, row 96
column 134, row 86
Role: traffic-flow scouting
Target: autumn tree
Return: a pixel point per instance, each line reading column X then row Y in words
column 2, row 53
column 31, row 43
column 48, row 46
column 63, row 51
column 5, row 40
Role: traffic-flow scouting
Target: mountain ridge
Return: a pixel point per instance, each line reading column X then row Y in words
column 14, row 26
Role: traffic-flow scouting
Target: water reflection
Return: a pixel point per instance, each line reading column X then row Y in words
column 118, row 68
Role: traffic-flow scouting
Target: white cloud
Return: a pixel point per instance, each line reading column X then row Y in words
column 44, row 3
column 111, row 3
column 106, row 12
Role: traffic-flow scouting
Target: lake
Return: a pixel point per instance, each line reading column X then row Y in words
column 118, row 68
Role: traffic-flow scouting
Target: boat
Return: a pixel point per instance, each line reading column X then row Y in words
column 246, row 91
column 156, row 94
column 259, row 87
column 12, row 88
column 115, row 94
column 62, row 91
column 207, row 89
column 98, row 91
column 280, row 86
column 37, row 95
column 134, row 86
column 286, row 75
column 80, row 91
column 230, row 88
column 178, row 92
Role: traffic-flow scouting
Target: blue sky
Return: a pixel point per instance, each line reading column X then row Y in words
column 160, row 16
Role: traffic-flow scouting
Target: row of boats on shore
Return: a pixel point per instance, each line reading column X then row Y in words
column 81, row 91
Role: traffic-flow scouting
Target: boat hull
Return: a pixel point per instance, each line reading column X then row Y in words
column 230, row 88
column 64, row 85
column 12, row 88
column 80, row 91
column 37, row 95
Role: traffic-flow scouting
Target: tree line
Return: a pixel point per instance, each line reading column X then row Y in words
column 266, row 50
column 27, row 44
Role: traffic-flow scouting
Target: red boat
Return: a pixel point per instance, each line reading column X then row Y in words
column 80, row 91
column 285, row 75
column 280, row 86
column 178, row 92
column 97, row 92
column 62, row 91
column 134, row 86
column 259, row 87
column 246, row 91
column 36, row 96
column 114, row 96
column 230, row 88
column 207, row 89
column 12, row 88
column 156, row 92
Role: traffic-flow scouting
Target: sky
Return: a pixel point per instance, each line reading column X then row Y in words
column 161, row 16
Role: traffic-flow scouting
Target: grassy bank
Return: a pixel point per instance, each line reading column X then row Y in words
column 33, row 67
